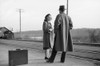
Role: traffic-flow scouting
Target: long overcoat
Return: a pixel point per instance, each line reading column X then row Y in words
column 46, row 34
column 62, row 26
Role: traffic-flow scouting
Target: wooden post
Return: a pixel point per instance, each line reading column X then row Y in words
column 67, row 8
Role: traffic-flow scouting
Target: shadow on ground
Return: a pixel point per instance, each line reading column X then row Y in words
column 4, row 65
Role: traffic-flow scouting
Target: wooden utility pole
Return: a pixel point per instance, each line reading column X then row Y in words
column 20, row 11
column 67, row 8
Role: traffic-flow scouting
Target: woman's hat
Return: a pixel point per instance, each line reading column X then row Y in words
column 62, row 7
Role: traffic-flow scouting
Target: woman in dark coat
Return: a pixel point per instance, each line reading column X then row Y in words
column 47, row 28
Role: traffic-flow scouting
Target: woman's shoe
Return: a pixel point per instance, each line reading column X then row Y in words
column 46, row 58
column 49, row 61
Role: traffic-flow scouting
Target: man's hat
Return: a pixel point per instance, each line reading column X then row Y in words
column 62, row 7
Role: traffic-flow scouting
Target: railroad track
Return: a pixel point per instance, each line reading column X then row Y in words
column 86, row 51
column 87, row 54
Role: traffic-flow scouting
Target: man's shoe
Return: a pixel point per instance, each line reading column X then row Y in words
column 62, row 61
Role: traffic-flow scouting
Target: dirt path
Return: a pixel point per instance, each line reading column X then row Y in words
column 36, row 58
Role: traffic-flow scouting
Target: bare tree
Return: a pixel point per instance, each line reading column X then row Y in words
column 94, row 35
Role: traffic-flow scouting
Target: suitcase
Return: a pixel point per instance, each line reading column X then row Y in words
column 18, row 57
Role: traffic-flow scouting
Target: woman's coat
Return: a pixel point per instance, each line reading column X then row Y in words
column 46, row 34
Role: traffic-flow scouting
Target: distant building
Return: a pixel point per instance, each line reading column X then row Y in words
column 6, row 33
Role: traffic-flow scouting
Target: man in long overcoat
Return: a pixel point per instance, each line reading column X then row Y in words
column 62, row 40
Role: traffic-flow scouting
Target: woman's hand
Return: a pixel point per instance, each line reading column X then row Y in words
column 51, row 30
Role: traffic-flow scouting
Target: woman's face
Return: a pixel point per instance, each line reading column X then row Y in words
column 49, row 18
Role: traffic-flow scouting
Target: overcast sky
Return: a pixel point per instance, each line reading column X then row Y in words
column 84, row 13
